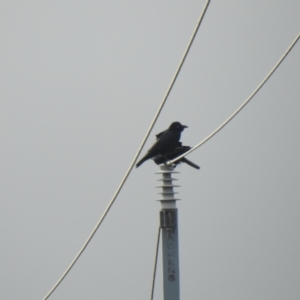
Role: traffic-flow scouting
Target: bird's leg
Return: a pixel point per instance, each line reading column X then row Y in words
column 165, row 160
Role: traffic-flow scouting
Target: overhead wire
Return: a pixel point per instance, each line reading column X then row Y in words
column 155, row 262
column 241, row 107
column 135, row 157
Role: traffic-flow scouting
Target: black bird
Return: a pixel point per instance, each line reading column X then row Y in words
column 161, row 159
column 166, row 142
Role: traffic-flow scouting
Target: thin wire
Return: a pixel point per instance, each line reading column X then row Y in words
column 155, row 262
column 242, row 106
column 176, row 74
column 134, row 160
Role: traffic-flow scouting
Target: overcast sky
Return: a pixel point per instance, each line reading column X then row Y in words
column 80, row 84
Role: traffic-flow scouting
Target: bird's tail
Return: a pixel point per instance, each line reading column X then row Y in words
column 140, row 162
column 190, row 163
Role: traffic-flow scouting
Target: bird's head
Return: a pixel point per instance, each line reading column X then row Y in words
column 176, row 126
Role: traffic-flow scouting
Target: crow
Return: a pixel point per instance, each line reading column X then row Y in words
column 161, row 159
column 167, row 141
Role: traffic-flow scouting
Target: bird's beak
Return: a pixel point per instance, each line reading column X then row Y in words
column 184, row 126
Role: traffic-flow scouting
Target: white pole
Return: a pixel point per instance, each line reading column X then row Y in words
column 169, row 226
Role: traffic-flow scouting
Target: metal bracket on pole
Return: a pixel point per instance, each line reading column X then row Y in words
column 168, row 219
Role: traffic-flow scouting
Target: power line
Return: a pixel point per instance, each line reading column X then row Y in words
column 155, row 262
column 135, row 158
column 242, row 106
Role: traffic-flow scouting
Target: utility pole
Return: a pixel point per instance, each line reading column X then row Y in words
column 169, row 227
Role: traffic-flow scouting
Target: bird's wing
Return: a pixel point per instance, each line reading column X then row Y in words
column 164, row 140
column 159, row 134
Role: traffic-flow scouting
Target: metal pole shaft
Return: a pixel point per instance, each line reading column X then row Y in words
column 169, row 226
column 170, row 253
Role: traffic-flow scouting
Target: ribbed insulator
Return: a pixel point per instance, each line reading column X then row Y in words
column 167, row 185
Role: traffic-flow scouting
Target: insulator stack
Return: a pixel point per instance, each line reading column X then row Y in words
column 168, row 199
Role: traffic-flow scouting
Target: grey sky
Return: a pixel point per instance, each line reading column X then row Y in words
column 80, row 84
